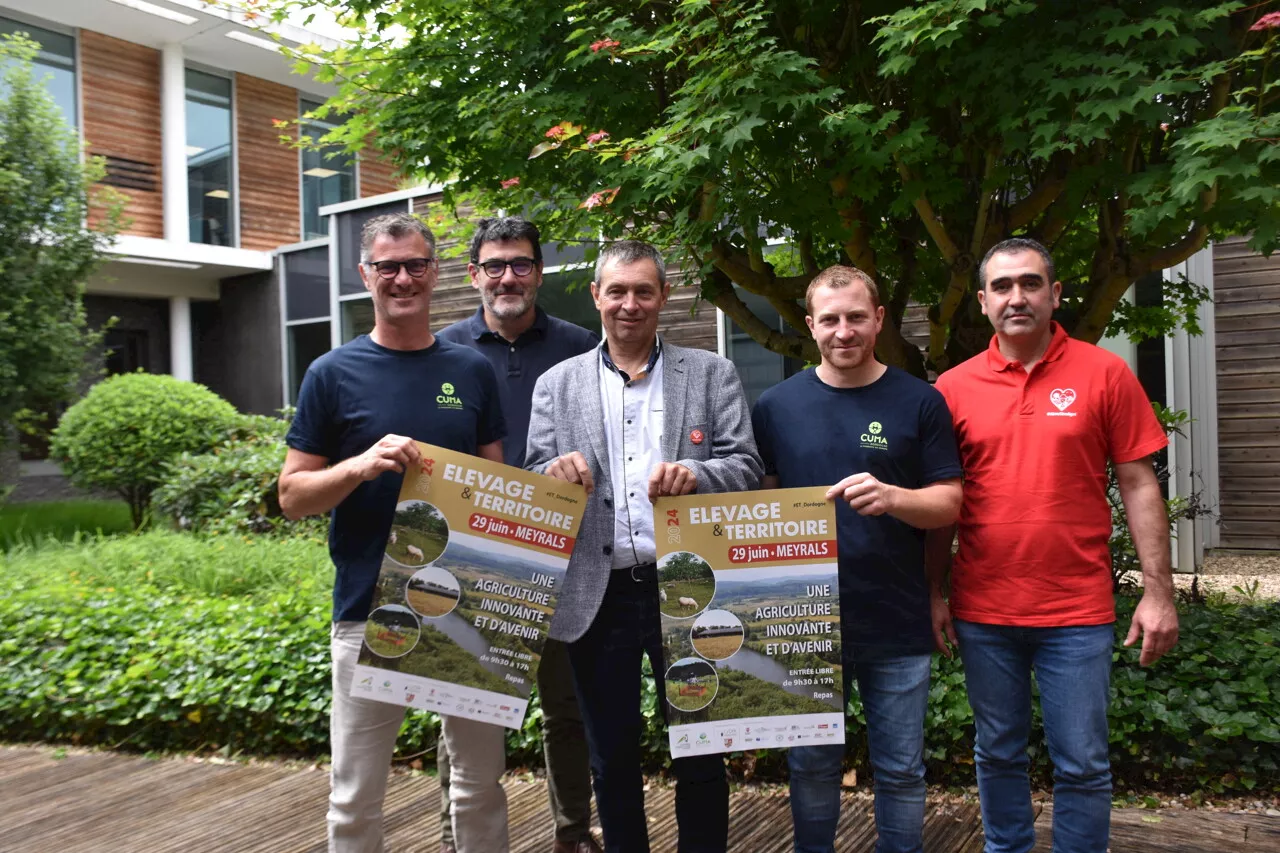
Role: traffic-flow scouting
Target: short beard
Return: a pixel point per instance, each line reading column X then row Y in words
column 507, row 311
column 827, row 353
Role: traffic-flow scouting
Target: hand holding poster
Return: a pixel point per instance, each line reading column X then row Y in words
column 475, row 558
column 749, row 593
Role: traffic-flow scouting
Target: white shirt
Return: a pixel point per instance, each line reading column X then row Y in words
column 633, row 423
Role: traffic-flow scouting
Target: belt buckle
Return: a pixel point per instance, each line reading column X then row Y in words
column 632, row 570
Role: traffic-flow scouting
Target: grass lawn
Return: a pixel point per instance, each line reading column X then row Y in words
column 61, row 520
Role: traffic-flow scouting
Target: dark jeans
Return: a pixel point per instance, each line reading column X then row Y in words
column 564, row 746
column 606, row 666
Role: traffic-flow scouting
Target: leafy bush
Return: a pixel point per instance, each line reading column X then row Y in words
column 34, row 522
column 233, row 489
column 164, row 641
column 121, row 434
column 1125, row 567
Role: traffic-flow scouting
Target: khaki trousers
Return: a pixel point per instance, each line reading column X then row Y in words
column 363, row 733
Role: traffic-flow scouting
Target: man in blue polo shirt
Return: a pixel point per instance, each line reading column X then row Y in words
column 891, row 434
column 522, row 342
column 360, row 409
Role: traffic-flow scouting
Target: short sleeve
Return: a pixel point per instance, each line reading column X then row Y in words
column 939, row 457
column 1133, row 430
column 312, row 429
column 764, row 441
column 491, row 426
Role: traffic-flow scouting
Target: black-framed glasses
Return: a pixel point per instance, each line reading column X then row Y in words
column 416, row 267
column 519, row 266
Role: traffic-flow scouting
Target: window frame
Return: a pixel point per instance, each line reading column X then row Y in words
column 73, row 33
column 234, row 168
column 304, row 97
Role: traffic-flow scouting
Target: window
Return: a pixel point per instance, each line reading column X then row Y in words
column 759, row 368
column 306, row 276
column 350, row 225
column 328, row 174
column 209, row 159
column 357, row 318
column 307, row 342
column 566, row 294
column 55, row 64
column 127, row 351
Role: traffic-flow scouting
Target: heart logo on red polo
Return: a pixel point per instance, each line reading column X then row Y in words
column 1062, row 398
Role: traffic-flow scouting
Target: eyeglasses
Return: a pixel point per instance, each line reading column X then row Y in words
column 416, row 267
column 519, row 266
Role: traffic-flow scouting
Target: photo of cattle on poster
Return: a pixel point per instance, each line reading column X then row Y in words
column 475, row 557
column 748, row 589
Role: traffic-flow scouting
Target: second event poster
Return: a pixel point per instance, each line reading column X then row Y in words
column 473, row 566
column 749, row 593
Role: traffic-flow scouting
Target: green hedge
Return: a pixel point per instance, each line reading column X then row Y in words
column 97, row 652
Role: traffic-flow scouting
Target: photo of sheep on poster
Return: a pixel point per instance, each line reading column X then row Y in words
column 419, row 534
column 686, row 584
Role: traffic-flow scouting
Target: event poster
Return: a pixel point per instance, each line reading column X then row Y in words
column 749, row 593
column 474, row 562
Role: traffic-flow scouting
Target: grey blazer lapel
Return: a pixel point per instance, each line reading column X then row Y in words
column 675, row 386
column 588, row 393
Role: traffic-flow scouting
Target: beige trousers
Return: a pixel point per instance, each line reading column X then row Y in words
column 362, row 734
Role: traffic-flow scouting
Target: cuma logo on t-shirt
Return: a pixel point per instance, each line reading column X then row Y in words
column 446, row 399
column 872, row 437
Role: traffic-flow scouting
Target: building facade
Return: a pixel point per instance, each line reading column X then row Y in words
column 238, row 265
column 181, row 100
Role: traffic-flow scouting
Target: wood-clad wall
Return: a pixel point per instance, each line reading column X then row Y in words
column 270, row 207
column 121, row 84
column 376, row 175
column 1246, row 292
column 687, row 321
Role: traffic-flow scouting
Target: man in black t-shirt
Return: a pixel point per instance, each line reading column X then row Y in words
column 890, row 433
column 360, row 410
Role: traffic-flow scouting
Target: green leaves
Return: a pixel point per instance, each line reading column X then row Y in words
column 47, row 249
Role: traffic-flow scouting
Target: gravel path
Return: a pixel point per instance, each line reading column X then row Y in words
column 1225, row 572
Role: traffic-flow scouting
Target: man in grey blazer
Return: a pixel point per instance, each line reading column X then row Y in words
column 633, row 420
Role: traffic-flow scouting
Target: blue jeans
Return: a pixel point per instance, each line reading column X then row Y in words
column 606, row 668
column 1073, row 671
column 895, row 695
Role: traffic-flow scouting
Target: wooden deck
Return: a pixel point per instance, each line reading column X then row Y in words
column 106, row 802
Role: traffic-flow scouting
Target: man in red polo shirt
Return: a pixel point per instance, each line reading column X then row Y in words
column 1037, row 417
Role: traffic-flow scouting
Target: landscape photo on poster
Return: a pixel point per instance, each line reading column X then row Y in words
column 749, row 597
column 475, row 557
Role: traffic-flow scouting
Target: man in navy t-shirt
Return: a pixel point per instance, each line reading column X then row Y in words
column 360, row 410
column 889, row 436
column 522, row 342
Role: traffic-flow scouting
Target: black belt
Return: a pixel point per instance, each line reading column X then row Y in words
column 639, row 572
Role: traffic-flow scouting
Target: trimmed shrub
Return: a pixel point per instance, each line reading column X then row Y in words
column 122, row 433
column 233, row 489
